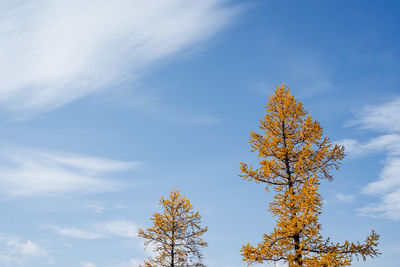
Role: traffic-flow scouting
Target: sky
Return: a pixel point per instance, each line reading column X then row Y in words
column 105, row 106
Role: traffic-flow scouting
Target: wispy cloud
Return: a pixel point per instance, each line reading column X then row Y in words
column 388, row 207
column 384, row 118
column 199, row 120
column 387, row 143
column 387, row 187
column 32, row 172
column 73, row 232
column 130, row 263
column 95, row 207
column 14, row 251
column 103, row 230
column 344, row 198
column 381, row 118
column 116, row 228
column 54, row 52
column 388, row 180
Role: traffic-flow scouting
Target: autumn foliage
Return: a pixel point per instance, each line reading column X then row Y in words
column 294, row 155
column 176, row 235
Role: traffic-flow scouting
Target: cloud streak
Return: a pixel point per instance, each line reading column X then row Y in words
column 55, row 52
column 14, row 251
column 130, row 263
column 387, row 143
column 387, row 188
column 384, row 118
column 33, row 172
column 344, row 198
column 116, row 228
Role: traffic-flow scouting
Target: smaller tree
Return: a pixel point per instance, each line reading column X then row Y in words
column 176, row 234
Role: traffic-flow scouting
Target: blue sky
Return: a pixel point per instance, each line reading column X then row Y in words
column 107, row 106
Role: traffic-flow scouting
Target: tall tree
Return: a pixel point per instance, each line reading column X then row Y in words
column 176, row 234
column 294, row 155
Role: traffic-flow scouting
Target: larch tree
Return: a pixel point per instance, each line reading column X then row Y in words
column 176, row 235
column 294, row 155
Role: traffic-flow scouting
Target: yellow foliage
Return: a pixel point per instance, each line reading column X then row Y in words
column 176, row 234
column 294, row 155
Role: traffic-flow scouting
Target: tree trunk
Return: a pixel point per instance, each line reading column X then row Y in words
column 296, row 237
column 172, row 256
column 173, row 247
column 298, row 258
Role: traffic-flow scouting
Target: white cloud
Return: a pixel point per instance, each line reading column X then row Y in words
column 119, row 228
column 388, row 206
column 130, row 263
column 388, row 144
column 95, row 207
column 388, row 180
column 89, row 165
column 54, row 52
column 31, row 172
column 351, row 146
column 387, row 188
column 27, row 248
column 382, row 118
column 116, row 228
column 73, row 232
column 344, row 198
column 13, row 252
